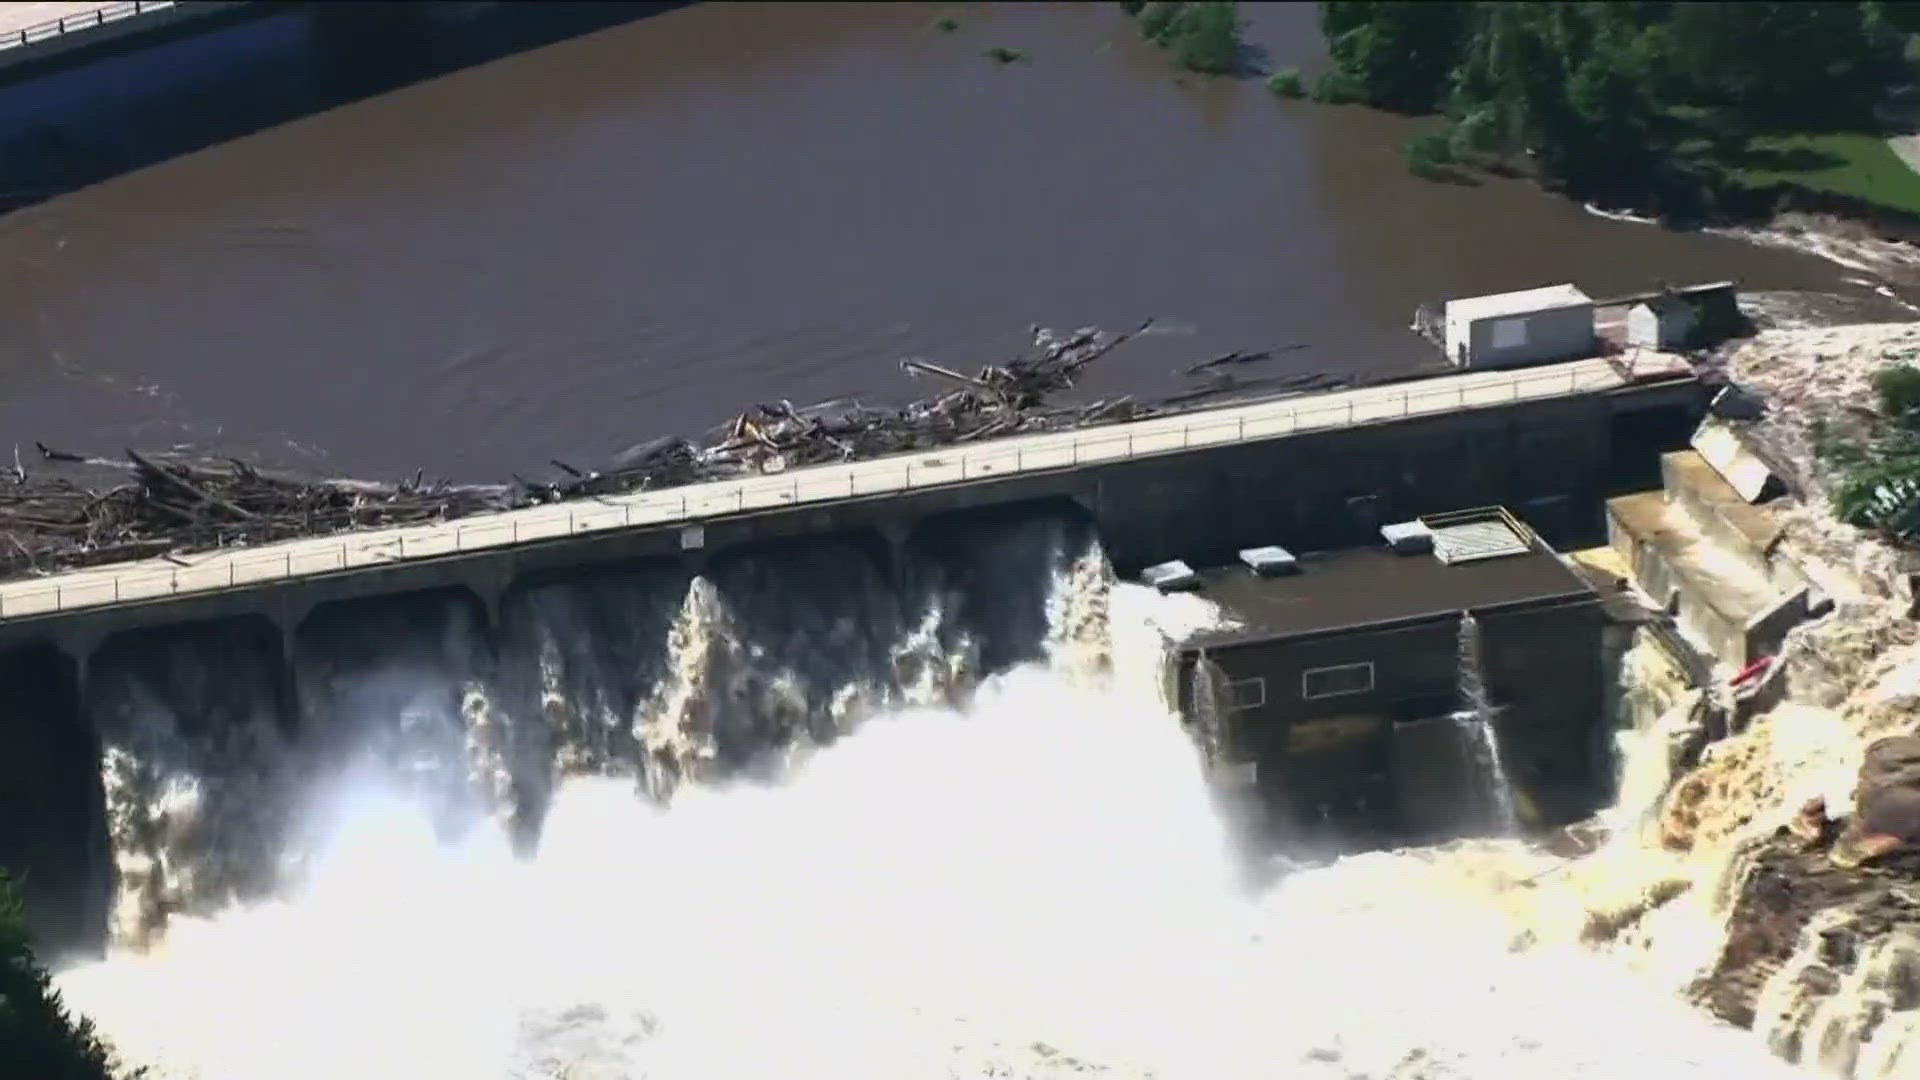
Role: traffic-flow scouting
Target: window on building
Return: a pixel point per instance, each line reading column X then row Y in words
column 1509, row 333
column 1336, row 681
column 1247, row 693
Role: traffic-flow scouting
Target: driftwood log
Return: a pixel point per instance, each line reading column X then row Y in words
column 167, row 505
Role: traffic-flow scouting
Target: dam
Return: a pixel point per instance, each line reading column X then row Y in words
column 693, row 633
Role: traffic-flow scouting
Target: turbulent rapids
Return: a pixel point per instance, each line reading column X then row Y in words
column 792, row 818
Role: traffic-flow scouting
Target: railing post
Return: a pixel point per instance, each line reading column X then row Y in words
column 1242, row 437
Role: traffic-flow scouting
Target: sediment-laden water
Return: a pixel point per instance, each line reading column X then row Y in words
column 641, row 231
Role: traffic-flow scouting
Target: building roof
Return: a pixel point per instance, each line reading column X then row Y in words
column 1476, row 308
column 1363, row 586
column 1666, row 304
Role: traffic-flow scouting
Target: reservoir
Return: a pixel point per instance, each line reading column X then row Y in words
column 639, row 231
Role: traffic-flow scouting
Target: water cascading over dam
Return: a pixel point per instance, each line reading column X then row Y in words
column 1475, row 719
column 212, row 755
column 929, row 819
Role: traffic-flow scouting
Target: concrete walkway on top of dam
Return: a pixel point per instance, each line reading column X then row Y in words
column 34, row 21
column 231, row 568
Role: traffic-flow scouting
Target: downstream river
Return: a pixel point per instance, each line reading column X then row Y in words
column 639, row 231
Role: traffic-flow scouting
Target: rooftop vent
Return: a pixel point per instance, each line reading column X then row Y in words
column 1408, row 537
column 1270, row 561
column 1171, row 576
column 1471, row 535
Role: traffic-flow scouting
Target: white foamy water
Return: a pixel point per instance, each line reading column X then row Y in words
column 1036, row 886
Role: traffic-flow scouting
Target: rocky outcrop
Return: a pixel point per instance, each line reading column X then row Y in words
column 1815, row 922
column 1886, row 803
column 1780, row 887
column 1822, row 954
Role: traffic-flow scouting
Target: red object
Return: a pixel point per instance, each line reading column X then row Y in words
column 1751, row 671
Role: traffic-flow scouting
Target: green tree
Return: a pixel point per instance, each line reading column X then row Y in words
column 1785, row 64
column 1652, row 101
column 38, row 1037
column 1897, row 388
column 1206, row 37
column 1287, row 83
column 1399, row 53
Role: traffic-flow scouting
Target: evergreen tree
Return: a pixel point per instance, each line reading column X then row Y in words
column 38, row 1038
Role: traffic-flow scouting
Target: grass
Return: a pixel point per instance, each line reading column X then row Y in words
column 1862, row 166
column 1002, row 55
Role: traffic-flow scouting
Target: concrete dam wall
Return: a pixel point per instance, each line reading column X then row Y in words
column 156, row 751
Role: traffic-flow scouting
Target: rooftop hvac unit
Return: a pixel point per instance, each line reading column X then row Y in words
column 1270, row 561
column 1408, row 537
column 1171, row 576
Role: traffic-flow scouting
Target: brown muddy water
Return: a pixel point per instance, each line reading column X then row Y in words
column 636, row 232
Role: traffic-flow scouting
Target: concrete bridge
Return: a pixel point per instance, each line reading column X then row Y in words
column 1308, row 472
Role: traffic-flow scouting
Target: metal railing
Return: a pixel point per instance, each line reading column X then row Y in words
column 232, row 568
column 82, row 20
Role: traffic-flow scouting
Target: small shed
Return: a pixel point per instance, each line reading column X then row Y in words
column 1666, row 321
column 1518, row 329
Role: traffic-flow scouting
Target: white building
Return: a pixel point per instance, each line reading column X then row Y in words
column 1516, row 329
column 1664, row 322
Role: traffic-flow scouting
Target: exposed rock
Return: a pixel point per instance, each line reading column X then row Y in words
column 1811, row 824
column 1780, row 886
column 1886, row 802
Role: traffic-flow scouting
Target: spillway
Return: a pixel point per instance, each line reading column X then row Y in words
column 802, row 818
